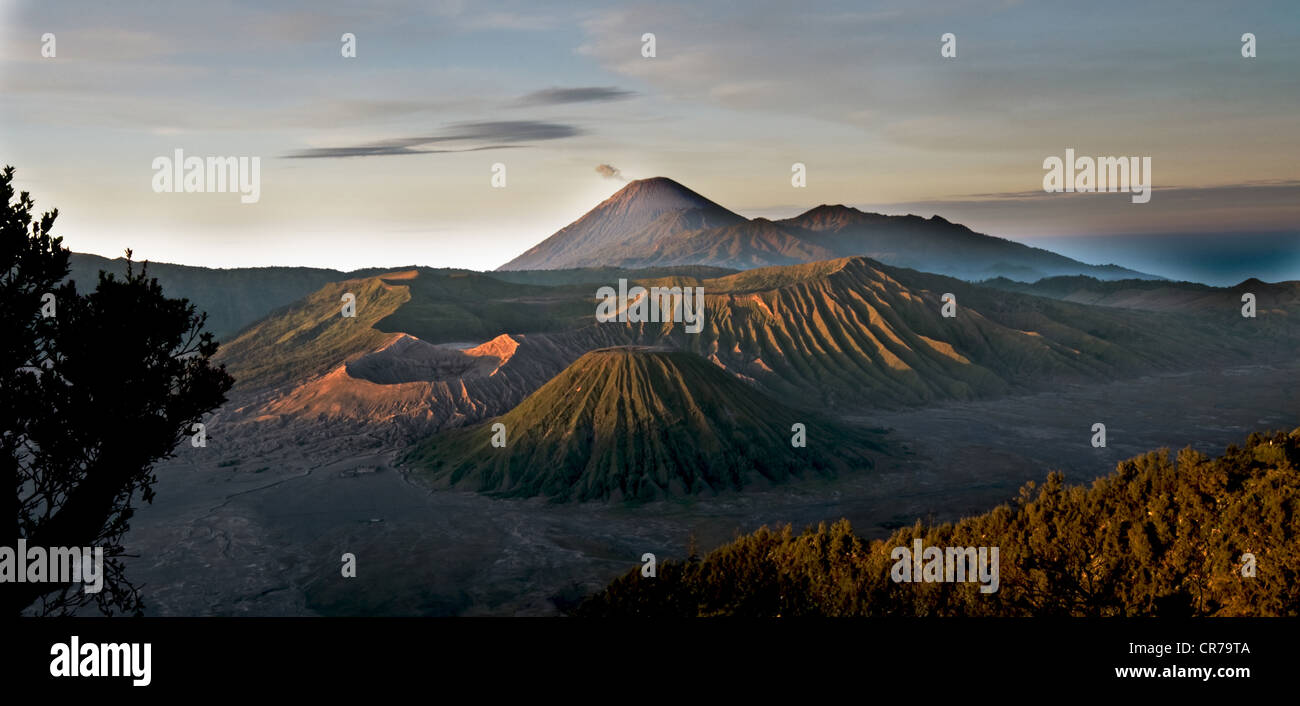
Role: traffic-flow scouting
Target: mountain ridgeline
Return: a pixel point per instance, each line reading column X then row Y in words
column 639, row 424
column 232, row 298
column 658, row 222
column 846, row 336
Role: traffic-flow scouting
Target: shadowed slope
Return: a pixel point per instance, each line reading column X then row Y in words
column 930, row 244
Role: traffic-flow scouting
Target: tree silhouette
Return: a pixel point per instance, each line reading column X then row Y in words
column 94, row 396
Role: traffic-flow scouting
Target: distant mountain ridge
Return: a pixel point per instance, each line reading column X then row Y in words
column 232, row 298
column 658, row 222
column 1279, row 297
column 238, row 297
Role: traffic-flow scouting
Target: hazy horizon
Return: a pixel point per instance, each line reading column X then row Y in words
column 1260, row 256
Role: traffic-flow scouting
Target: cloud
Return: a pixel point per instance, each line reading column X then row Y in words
column 509, row 21
column 1255, row 191
column 585, row 94
column 380, row 150
column 1260, row 205
column 496, row 134
column 609, row 171
column 509, row 131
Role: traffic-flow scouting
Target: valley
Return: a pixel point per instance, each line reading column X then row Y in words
column 264, row 537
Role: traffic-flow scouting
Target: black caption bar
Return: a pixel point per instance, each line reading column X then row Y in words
column 209, row 655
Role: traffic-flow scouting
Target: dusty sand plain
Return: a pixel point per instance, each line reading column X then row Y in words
column 265, row 536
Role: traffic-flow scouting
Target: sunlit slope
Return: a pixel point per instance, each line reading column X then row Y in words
column 311, row 336
column 630, row 423
column 852, row 332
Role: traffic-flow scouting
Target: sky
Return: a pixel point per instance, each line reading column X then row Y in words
column 387, row 158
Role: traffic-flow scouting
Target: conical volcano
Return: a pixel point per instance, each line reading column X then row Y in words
column 642, row 213
column 639, row 424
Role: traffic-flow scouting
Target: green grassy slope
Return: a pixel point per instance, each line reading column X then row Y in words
column 638, row 424
column 310, row 337
column 458, row 305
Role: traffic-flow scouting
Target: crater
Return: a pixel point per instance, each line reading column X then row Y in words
column 409, row 359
